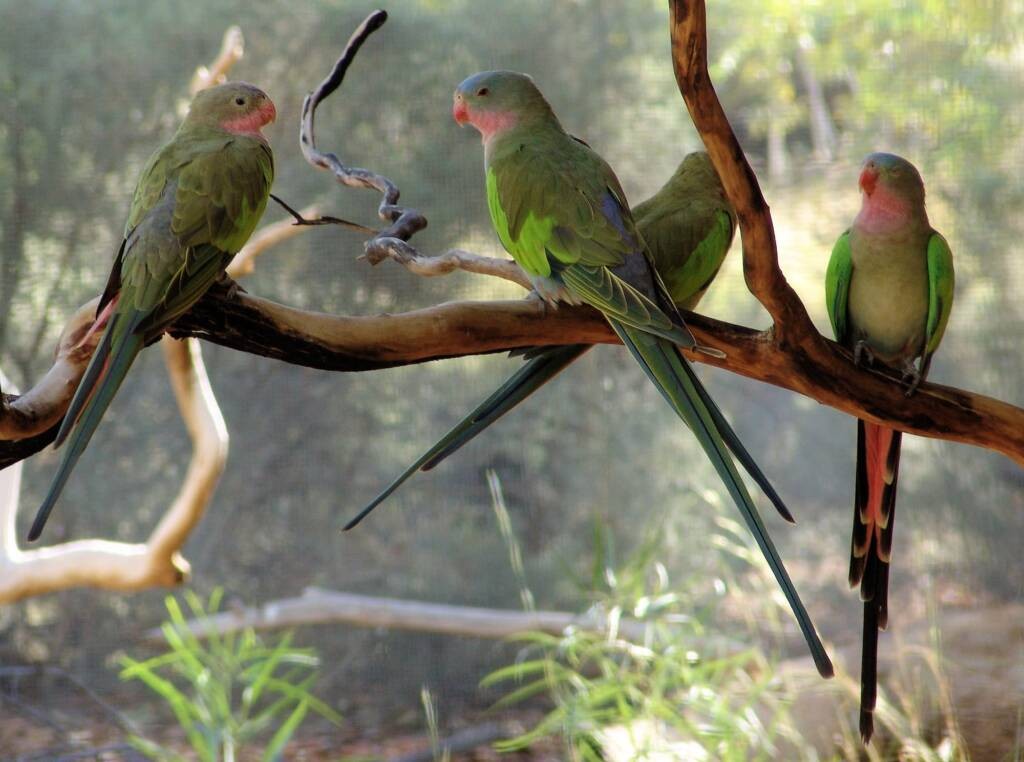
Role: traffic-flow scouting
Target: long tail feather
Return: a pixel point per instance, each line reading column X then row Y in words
column 874, row 518
column 671, row 373
column 738, row 449
column 86, row 386
column 537, row 371
column 541, row 367
column 868, row 671
column 100, row 383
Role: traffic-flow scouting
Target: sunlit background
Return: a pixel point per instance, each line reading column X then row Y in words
column 89, row 89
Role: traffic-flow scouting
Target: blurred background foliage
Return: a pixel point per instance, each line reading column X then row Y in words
column 89, row 89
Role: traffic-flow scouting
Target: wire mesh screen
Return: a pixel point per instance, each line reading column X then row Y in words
column 592, row 461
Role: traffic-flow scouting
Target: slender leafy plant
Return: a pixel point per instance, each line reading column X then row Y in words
column 227, row 691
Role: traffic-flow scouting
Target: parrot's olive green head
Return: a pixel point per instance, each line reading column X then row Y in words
column 893, row 175
column 237, row 107
column 698, row 161
column 696, row 170
column 495, row 101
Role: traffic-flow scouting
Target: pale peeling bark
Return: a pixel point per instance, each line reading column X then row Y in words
column 107, row 564
column 118, row 565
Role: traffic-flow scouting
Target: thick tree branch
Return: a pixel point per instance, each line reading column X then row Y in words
column 688, row 31
column 361, row 343
column 457, row 329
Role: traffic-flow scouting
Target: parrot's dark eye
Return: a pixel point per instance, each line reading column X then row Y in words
column 239, row 101
column 482, row 91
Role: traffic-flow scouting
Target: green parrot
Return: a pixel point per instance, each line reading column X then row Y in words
column 196, row 203
column 889, row 292
column 688, row 226
column 559, row 210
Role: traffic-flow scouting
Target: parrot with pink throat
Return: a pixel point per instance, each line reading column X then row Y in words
column 889, row 292
column 196, row 203
column 561, row 213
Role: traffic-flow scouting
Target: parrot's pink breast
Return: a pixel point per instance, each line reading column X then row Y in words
column 882, row 211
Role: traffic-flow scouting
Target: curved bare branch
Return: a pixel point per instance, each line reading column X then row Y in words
column 130, row 566
column 405, row 222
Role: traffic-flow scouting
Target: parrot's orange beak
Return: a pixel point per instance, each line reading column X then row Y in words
column 868, row 179
column 460, row 112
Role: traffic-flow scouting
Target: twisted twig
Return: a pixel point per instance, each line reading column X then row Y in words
column 393, row 241
column 404, row 221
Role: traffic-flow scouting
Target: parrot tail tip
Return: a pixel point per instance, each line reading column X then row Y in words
column 867, row 726
column 826, row 670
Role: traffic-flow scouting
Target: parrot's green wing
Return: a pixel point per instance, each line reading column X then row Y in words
column 940, row 291
column 561, row 220
column 602, row 289
column 218, row 197
column 837, row 286
column 694, row 274
column 560, row 212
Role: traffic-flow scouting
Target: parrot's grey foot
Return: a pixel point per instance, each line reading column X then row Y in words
column 545, row 305
column 911, row 377
column 230, row 285
column 862, row 354
column 552, row 292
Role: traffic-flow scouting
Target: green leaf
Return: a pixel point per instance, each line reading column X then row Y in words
column 284, row 733
column 516, row 671
column 266, row 668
